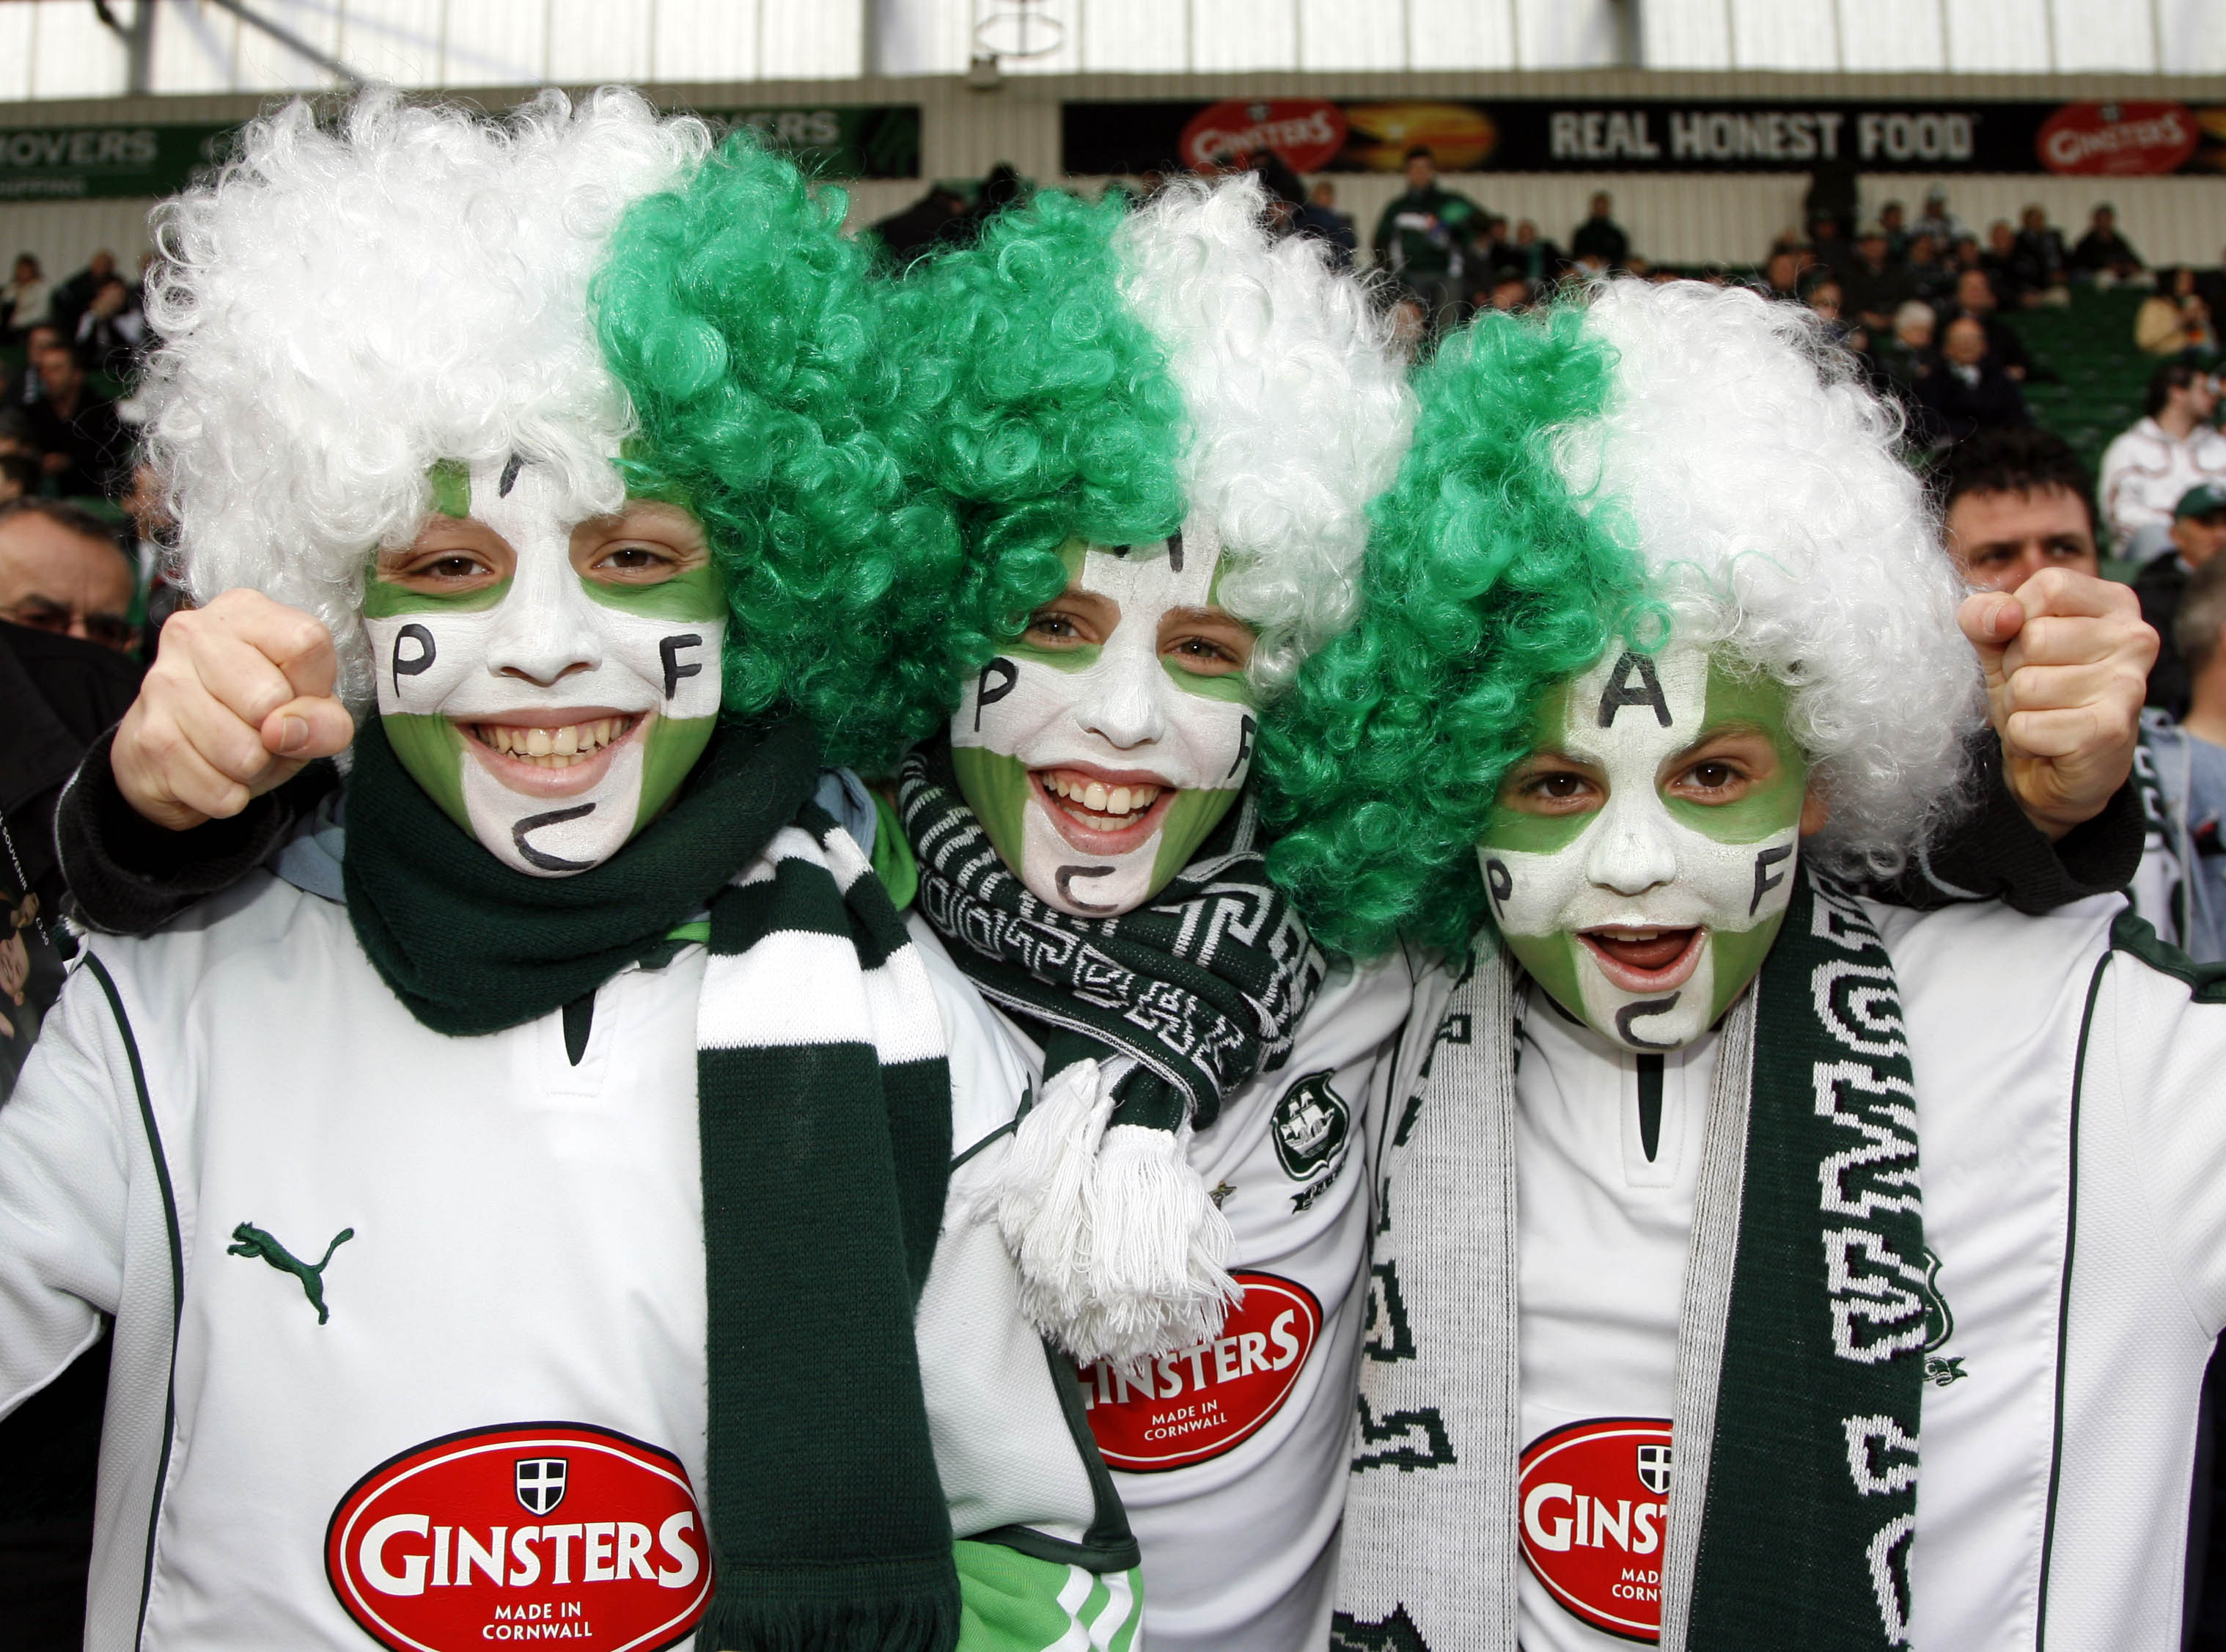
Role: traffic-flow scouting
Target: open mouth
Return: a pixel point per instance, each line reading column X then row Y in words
column 1100, row 813
column 1646, row 960
column 550, row 757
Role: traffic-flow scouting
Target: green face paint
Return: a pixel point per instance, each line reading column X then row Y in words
column 1682, row 894
column 551, row 716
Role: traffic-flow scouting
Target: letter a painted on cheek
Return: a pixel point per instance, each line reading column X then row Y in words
column 1500, row 882
column 1620, row 693
column 1244, row 732
column 987, row 693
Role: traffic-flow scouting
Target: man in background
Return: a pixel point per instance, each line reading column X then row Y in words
column 1968, row 391
column 2015, row 502
column 2198, row 533
column 1425, row 238
column 2104, row 256
column 1320, row 219
column 1599, row 243
column 2148, row 468
column 75, row 426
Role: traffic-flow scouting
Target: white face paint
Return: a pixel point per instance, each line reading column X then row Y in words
column 551, row 714
column 1645, row 917
column 1098, row 769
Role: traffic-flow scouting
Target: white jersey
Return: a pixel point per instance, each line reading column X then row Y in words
column 2072, row 1129
column 2144, row 473
column 1231, row 1458
column 475, row 1410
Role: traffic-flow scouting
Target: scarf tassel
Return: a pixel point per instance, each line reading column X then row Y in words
column 1122, row 1254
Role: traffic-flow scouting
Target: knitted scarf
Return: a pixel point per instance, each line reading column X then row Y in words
column 1146, row 1020
column 823, row 1103
column 1800, row 1361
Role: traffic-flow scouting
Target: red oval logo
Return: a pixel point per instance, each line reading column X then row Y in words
column 1199, row 1402
column 2120, row 139
column 1595, row 1499
column 531, row 1532
column 1307, row 132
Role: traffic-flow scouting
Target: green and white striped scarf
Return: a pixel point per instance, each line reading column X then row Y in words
column 823, row 1102
column 1801, row 1338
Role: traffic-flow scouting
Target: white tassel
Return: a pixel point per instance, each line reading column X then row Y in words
column 1122, row 1254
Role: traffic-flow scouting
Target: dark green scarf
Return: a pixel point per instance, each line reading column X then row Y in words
column 1801, row 1340
column 824, row 1163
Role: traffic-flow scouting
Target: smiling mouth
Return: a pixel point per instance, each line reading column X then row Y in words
column 557, row 747
column 1641, row 960
column 1100, row 816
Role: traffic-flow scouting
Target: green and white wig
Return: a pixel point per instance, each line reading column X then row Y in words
column 592, row 288
column 1650, row 462
column 1090, row 373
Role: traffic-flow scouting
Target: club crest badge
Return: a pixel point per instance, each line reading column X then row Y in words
column 1312, row 1125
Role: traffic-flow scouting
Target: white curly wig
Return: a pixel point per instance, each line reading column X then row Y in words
column 339, row 311
column 1298, row 405
column 1758, row 482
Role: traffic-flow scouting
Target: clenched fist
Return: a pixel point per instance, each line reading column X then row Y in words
column 2067, row 660
column 240, row 697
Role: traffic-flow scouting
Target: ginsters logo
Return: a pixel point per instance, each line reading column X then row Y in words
column 1307, row 132
column 2118, row 139
column 532, row 1532
column 1199, row 1401
column 1595, row 1502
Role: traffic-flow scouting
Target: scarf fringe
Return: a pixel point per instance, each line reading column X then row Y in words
column 1122, row 1254
column 926, row 1621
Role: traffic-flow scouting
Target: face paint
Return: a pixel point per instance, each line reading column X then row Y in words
column 1645, row 917
column 1098, row 769
column 552, row 715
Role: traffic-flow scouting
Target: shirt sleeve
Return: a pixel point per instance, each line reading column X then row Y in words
column 127, row 876
column 64, row 1176
column 1995, row 853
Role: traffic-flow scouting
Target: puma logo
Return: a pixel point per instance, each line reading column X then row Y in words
column 248, row 1240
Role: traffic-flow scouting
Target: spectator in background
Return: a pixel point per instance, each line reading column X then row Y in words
column 2043, row 242
column 2104, row 256
column 112, row 331
column 1876, row 288
column 1903, row 358
column 1936, row 221
column 23, row 301
column 2013, row 502
column 75, row 296
column 2186, row 756
column 910, row 234
column 25, row 388
column 62, row 572
column 1537, row 259
column 1974, row 296
column 1828, row 244
column 19, row 477
column 1598, row 243
column 76, row 428
column 1932, row 278
column 16, row 439
column 1781, row 276
column 1510, row 293
column 2015, row 271
column 1427, row 238
column 2198, row 533
column 2151, row 465
column 1968, row 391
column 2175, row 319
column 1893, row 224
column 1320, row 219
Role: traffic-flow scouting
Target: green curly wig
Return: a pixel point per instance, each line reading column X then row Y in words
column 759, row 357
column 1039, row 406
column 1485, row 585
